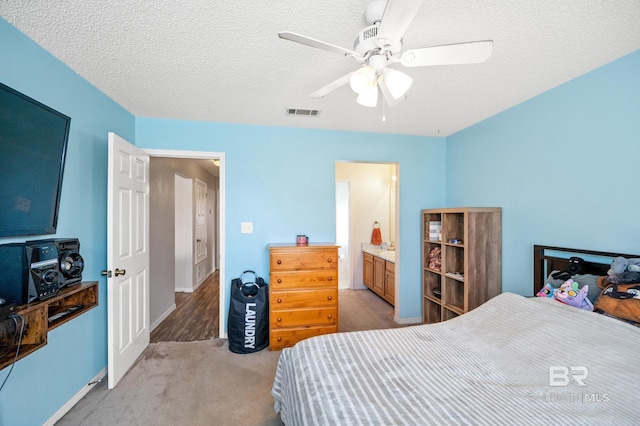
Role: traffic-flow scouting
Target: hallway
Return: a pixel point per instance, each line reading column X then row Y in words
column 195, row 317
column 196, row 314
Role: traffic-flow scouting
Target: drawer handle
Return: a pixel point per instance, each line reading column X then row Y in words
column 279, row 281
column 279, row 319
column 279, row 339
column 330, row 279
column 279, row 300
column 279, row 262
column 330, row 298
column 329, row 316
column 329, row 260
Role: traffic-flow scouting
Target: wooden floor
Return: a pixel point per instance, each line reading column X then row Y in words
column 196, row 314
column 195, row 317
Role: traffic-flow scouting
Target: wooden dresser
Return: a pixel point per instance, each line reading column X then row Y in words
column 303, row 293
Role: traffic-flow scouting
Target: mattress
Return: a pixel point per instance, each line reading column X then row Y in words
column 513, row 360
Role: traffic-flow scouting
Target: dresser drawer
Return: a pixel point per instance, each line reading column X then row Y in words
column 281, row 300
column 304, row 259
column 279, row 339
column 304, row 279
column 303, row 317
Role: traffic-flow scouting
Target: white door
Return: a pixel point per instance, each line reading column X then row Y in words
column 127, row 256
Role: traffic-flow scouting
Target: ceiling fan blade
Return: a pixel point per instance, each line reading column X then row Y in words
column 474, row 52
column 331, row 86
column 386, row 94
column 396, row 19
column 308, row 41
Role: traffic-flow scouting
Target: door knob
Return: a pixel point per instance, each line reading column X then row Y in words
column 120, row 272
column 106, row 274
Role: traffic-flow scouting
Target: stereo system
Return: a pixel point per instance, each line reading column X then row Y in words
column 37, row 270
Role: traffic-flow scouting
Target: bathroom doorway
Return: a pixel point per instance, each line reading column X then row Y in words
column 365, row 193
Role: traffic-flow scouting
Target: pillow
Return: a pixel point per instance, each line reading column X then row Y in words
column 582, row 280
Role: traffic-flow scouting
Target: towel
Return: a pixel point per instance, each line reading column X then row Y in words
column 376, row 236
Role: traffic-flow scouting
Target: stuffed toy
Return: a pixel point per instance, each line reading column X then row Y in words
column 568, row 293
column 621, row 301
column 627, row 277
column 621, row 264
column 546, row 291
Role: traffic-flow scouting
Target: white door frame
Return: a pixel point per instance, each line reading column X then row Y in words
column 222, row 318
column 346, row 262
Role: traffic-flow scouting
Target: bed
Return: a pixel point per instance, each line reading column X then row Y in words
column 513, row 360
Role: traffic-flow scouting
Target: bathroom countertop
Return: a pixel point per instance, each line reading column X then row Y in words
column 375, row 250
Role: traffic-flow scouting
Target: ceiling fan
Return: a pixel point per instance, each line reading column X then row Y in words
column 379, row 46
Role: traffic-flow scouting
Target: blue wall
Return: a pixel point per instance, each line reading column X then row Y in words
column 283, row 180
column 44, row 381
column 564, row 166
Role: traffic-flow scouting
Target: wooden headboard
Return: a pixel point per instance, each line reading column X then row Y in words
column 547, row 259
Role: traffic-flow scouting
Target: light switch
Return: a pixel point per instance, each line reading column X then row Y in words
column 246, row 227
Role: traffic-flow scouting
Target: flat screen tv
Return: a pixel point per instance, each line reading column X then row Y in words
column 33, row 146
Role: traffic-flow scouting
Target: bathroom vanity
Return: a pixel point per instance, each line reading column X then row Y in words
column 379, row 271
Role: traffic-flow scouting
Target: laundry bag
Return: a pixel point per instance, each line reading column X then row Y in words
column 248, row 322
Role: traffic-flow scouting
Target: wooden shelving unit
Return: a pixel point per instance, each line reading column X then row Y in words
column 470, row 244
column 39, row 319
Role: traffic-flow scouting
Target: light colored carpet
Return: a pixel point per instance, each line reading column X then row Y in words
column 203, row 383
column 185, row 383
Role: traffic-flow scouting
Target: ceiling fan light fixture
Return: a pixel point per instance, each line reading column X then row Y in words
column 362, row 80
column 370, row 97
column 397, row 82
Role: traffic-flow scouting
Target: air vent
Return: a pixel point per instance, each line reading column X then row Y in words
column 303, row 112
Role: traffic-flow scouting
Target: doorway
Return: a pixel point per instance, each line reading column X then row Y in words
column 372, row 196
column 162, row 292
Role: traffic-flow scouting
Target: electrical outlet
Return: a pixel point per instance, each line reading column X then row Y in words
column 246, row 227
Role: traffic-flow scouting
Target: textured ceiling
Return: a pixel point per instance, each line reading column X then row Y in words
column 223, row 61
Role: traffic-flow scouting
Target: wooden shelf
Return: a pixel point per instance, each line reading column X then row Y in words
column 37, row 319
column 477, row 257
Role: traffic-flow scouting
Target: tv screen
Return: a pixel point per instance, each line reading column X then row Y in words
column 33, row 144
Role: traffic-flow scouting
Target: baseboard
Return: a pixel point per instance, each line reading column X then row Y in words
column 195, row 287
column 76, row 398
column 163, row 317
column 414, row 320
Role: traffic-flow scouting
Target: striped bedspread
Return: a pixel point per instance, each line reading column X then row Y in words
column 513, row 360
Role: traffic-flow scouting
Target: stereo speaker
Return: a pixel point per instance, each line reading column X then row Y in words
column 44, row 272
column 70, row 262
column 15, row 283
